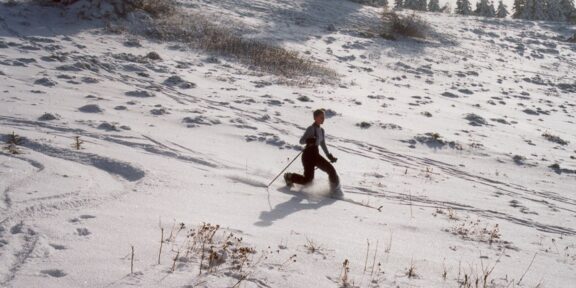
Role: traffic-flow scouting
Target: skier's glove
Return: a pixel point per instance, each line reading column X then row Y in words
column 311, row 141
column 332, row 158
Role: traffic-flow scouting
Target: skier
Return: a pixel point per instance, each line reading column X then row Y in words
column 311, row 157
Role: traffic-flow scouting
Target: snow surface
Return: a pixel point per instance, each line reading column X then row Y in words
column 475, row 196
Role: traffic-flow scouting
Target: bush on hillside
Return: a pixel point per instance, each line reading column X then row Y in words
column 410, row 25
column 375, row 3
column 156, row 8
column 199, row 32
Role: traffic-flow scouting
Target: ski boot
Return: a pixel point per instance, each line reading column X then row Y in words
column 288, row 179
column 336, row 190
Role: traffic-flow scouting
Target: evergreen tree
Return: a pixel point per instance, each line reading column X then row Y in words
column 481, row 8
column 411, row 4
column 463, row 7
column 423, row 5
column 434, row 6
column 568, row 9
column 502, row 11
column 491, row 12
column 528, row 10
column 447, row 8
column 478, row 9
column 398, row 4
column 554, row 11
column 519, row 8
column 466, row 7
column 539, row 11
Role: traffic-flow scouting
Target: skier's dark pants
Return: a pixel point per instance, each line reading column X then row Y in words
column 310, row 159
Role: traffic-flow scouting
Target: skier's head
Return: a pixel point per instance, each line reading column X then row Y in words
column 319, row 116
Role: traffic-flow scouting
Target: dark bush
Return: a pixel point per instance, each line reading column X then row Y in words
column 404, row 25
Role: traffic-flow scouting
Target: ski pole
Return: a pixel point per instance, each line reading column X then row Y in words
column 285, row 168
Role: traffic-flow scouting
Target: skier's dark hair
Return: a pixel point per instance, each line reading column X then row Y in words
column 317, row 112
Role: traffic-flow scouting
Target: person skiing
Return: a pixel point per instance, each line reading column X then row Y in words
column 311, row 157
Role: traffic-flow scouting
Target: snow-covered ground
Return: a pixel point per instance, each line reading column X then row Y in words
column 440, row 143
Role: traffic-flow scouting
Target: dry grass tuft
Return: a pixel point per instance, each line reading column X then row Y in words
column 211, row 251
column 555, row 139
column 198, row 32
column 411, row 270
column 403, row 25
column 156, row 8
column 312, row 246
column 344, row 274
column 477, row 231
column 12, row 143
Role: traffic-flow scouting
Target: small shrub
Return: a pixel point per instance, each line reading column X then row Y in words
column 213, row 252
column 475, row 120
column 404, row 25
column 78, row 143
column 519, row 160
column 476, row 231
column 14, row 140
column 312, row 246
column 555, row 139
column 434, row 140
column 555, row 166
column 304, row 98
column 364, row 125
column 411, row 271
column 559, row 170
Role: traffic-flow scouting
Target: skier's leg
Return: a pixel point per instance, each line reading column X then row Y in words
column 288, row 179
column 325, row 166
column 308, row 163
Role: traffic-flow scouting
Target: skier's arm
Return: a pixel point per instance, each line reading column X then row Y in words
column 324, row 147
column 308, row 134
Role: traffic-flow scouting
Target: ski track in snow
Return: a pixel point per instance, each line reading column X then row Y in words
column 498, row 84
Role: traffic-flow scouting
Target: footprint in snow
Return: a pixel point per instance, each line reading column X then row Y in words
column 83, row 232
column 46, row 82
column 90, row 80
column 159, row 111
column 49, row 117
column 274, row 102
column 192, row 122
column 140, row 94
column 91, row 108
column 54, row 273
column 58, row 246
column 81, row 217
column 178, row 81
column 16, row 229
column 3, row 243
column 108, row 127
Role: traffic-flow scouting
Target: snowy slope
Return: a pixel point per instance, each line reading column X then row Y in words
column 480, row 199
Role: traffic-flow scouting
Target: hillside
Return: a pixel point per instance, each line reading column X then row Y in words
column 457, row 153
